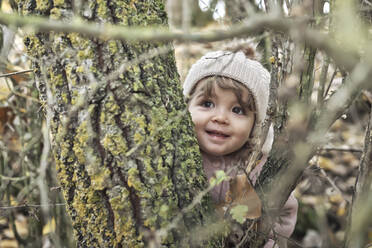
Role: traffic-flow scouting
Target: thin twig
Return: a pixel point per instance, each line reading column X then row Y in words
column 333, row 184
column 330, row 83
column 33, row 206
column 340, row 149
column 25, row 96
column 282, row 236
column 42, row 170
column 14, row 179
column 293, row 26
column 16, row 73
column 362, row 202
column 306, row 145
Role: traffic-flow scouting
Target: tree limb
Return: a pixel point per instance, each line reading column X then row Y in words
column 361, row 207
column 295, row 27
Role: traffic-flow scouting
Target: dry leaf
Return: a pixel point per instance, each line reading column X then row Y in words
column 341, row 211
column 4, row 89
column 49, row 227
column 310, row 200
column 349, row 158
column 336, row 198
column 6, row 8
column 6, row 116
column 8, row 233
column 367, row 96
column 8, row 243
column 14, row 144
column 242, row 193
column 326, row 163
column 337, row 126
column 21, row 225
column 3, row 221
column 370, row 236
column 330, row 165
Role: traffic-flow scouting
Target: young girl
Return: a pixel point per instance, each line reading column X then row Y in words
column 228, row 96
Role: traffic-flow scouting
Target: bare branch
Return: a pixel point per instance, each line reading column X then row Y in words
column 361, row 208
column 305, row 147
column 16, row 73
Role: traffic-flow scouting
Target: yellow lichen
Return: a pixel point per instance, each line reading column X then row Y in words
column 102, row 9
column 133, row 180
column 80, row 69
column 42, row 5
column 59, row 3
column 124, row 224
column 138, row 138
column 55, row 13
column 113, row 47
column 34, row 46
column 115, row 144
column 56, row 79
column 64, row 96
column 80, row 143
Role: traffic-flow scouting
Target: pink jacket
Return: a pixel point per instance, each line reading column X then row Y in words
column 288, row 214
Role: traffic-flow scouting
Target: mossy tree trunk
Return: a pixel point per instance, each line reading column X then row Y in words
column 126, row 155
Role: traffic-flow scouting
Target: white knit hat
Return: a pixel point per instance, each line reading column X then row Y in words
column 237, row 66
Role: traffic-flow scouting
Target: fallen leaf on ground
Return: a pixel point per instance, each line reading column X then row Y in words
column 9, row 243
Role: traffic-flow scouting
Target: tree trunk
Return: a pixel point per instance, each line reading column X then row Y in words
column 125, row 151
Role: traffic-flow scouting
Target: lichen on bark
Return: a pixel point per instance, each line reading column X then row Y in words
column 125, row 151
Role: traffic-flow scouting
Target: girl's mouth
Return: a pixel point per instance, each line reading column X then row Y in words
column 217, row 133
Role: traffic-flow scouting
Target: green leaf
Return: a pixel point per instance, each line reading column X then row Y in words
column 239, row 212
column 219, row 178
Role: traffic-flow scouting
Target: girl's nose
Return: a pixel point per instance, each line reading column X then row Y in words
column 220, row 117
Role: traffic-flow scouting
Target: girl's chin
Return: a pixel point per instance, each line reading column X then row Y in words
column 215, row 153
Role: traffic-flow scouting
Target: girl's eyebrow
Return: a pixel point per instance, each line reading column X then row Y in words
column 201, row 94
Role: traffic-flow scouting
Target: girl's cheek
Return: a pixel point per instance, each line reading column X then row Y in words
column 193, row 118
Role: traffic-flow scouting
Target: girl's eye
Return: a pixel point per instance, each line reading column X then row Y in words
column 238, row 110
column 207, row 104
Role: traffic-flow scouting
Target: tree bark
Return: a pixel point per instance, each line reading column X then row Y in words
column 126, row 155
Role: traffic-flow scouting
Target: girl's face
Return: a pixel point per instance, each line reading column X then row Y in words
column 222, row 125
